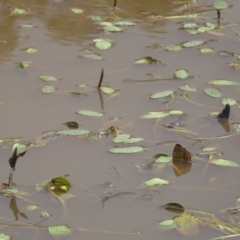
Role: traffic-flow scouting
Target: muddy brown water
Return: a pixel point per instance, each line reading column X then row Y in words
column 59, row 36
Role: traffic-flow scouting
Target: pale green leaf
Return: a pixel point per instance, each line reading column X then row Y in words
column 155, row 181
column 153, row 115
column 132, row 149
column 162, row 94
column 59, row 231
column 213, row 92
column 20, row 148
column 77, row 10
column 74, row 132
column 190, row 25
column 224, row 82
column 163, row 158
column 175, row 112
column 174, row 48
column 113, row 28
column 166, row 225
column 4, row 237
column 91, row 55
column 224, row 162
column 203, row 29
column 29, row 208
column 181, row 74
column 134, row 140
column 47, row 78
column 209, row 149
column 102, row 44
column 108, row 90
column 144, row 60
column 90, row 113
column 220, row 5
column 193, row 43
column 41, row 185
column 125, row 23
column 48, row 89
column 229, row 101
column 187, row 88
column 19, row 11
column 206, row 50
column 121, row 138
column 31, row 50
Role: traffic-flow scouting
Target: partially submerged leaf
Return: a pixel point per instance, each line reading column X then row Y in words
column 154, row 115
column 229, row 101
column 163, row 158
column 131, row 149
column 19, row 11
column 28, row 208
column 134, row 140
column 40, row 186
column 72, row 125
column 90, row 113
column 48, row 89
column 121, row 138
column 109, row 90
column 224, row 82
column 213, row 92
column 181, row 74
column 224, row 162
column 206, row 50
column 102, row 44
column 125, row 23
column 174, row 207
column 166, row 225
column 145, row 60
column 193, row 43
column 187, row 88
column 174, row 48
column 155, row 181
column 77, row 10
column 59, row 231
column 20, row 148
column 91, row 55
column 187, row 224
column 31, row 50
column 162, row 94
column 47, row 78
column 74, row 132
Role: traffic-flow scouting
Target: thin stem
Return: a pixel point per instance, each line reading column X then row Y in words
column 115, row 3
column 101, row 78
column 10, row 178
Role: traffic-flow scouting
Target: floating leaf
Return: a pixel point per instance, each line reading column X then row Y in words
column 19, row 11
column 209, row 149
column 190, row 25
column 31, row 50
column 145, row 60
column 74, row 132
column 166, row 225
column 113, row 28
column 4, row 237
column 28, row 208
column 47, row 78
column 121, row 138
column 181, row 74
column 163, row 158
column 187, row 224
column 206, row 50
column 109, row 90
column 226, row 53
column 153, row 115
column 193, row 43
column 90, row 113
column 47, row 137
column 125, row 23
column 229, row 101
column 91, row 55
column 132, row 149
column 101, row 43
column 224, row 82
column 187, row 88
column 220, row 5
column 48, row 89
column 134, row 140
column 162, row 94
column 59, row 231
column 203, row 29
column 175, row 112
column 77, row 10
column 155, row 181
column 174, row 48
column 213, row 92
column 224, row 162
column 40, row 186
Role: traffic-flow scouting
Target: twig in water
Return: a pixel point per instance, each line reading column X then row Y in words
column 115, row 3
column 101, row 78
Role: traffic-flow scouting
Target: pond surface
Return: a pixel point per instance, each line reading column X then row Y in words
column 50, row 38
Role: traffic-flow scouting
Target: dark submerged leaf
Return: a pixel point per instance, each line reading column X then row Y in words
column 181, row 154
column 224, row 115
column 71, row 125
column 174, row 207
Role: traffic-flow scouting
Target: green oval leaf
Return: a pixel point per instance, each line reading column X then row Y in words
column 162, row 94
column 90, row 113
column 4, row 237
column 187, row 88
column 181, row 74
column 20, row 148
column 121, row 138
column 108, row 90
column 229, row 101
column 47, row 78
column 155, row 181
column 206, row 50
column 213, row 92
column 220, row 5
column 132, row 149
column 74, row 132
column 91, row 55
column 134, row 140
column 223, row 82
column 224, row 162
column 174, row 48
column 193, row 43
column 113, row 28
column 31, row 50
column 166, row 225
column 145, row 60
column 163, row 158
column 59, row 231
column 41, row 185
column 125, row 23
column 153, row 115
column 48, row 89
column 77, row 10
column 190, row 25
column 102, row 44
